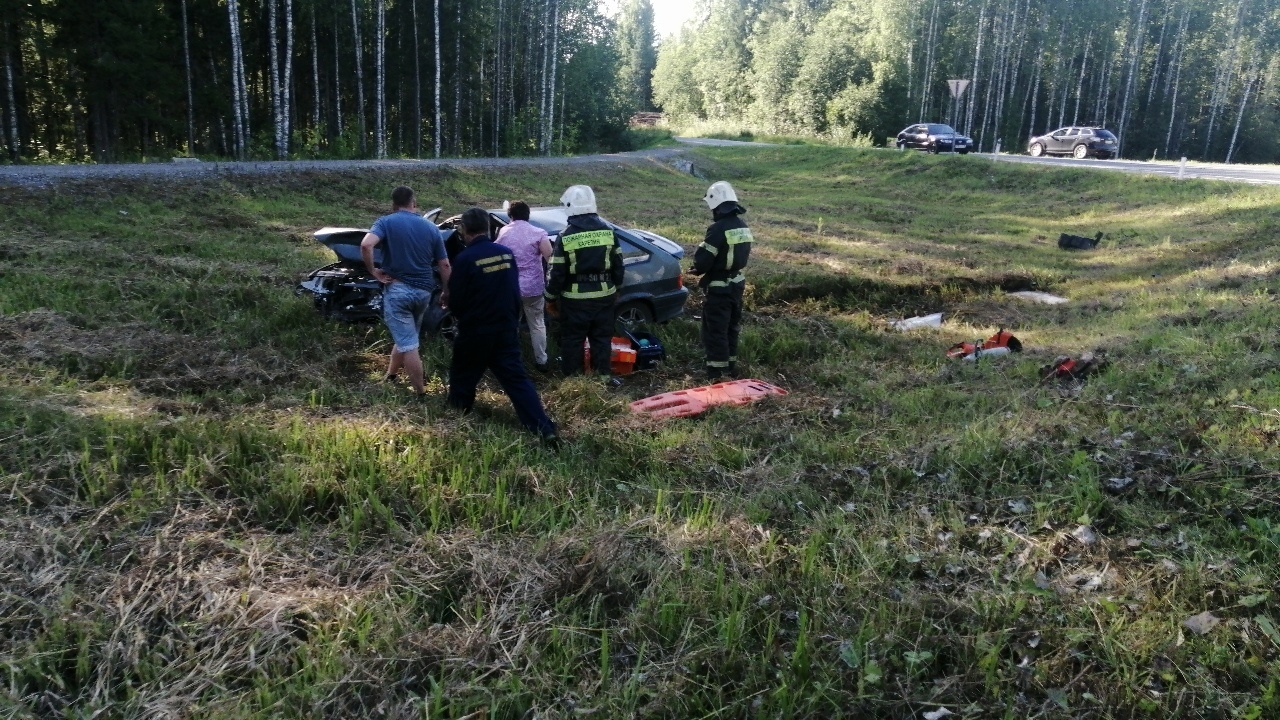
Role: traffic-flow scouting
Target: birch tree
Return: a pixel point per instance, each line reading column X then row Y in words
column 359, row 47
column 191, row 100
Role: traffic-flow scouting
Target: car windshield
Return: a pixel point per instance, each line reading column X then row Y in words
column 1104, row 134
column 942, row 130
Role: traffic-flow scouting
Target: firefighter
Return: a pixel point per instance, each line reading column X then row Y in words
column 719, row 262
column 586, row 273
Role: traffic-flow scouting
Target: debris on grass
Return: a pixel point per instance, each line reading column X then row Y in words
column 938, row 714
column 1064, row 367
column 1201, row 624
column 918, row 322
column 1118, row 486
column 1078, row 242
column 1085, row 535
column 1036, row 296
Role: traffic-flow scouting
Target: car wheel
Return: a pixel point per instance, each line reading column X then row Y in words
column 633, row 314
column 1036, row 150
column 933, row 149
column 963, row 152
column 1081, row 152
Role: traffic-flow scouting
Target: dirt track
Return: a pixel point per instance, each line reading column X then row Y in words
column 37, row 176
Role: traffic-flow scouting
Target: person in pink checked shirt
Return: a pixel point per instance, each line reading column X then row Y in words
column 531, row 246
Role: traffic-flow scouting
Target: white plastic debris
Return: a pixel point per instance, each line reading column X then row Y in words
column 937, row 714
column 1036, row 296
column 915, row 323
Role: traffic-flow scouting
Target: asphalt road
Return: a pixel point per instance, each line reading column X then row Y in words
column 1252, row 174
column 38, row 176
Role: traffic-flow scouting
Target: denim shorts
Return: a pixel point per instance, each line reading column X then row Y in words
column 403, row 308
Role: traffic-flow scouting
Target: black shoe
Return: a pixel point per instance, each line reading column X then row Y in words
column 551, row 441
column 390, row 378
column 613, row 382
column 544, row 368
column 715, row 374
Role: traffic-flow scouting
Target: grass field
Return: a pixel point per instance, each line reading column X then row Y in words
column 215, row 511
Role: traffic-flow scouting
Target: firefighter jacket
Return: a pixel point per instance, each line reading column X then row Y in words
column 725, row 251
column 587, row 263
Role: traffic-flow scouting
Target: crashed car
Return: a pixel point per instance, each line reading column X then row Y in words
column 345, row 291
column 652, row 289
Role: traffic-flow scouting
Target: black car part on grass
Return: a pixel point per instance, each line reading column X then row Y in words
column 1078, row 242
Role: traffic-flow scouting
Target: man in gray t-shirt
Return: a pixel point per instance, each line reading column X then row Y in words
column 411, row 247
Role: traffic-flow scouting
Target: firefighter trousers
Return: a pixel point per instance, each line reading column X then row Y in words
column 590, row 320
column 721, row 322
column 499, row 353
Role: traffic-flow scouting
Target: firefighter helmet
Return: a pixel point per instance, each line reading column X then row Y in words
column 720, row 193
column 579, row 199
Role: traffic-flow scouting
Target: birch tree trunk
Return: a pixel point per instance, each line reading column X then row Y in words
column 1084, row 63
column 1244, row 100
column 417, row 86
column 555, row 59
column 1175, row 72
column 315, row 84
column 277, row 94
column 977, row 58
column 457, row 79
column 191, row 103
column 497, row 79
column 339, row 122
column 1035, row 84
column 355, row 31
column 15, row 140
column 1155, row 65
column 437, row 45
column 286, row 86
column 1134, row 54
column 1221, row 83
column 926, row 87
column 380, row 115
column 238, row 89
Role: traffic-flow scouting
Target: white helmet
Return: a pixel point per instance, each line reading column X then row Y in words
column 721, row 192
column 579, row 199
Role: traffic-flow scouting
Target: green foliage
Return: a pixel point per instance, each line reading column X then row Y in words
column 1170, row 77
column 637, row 53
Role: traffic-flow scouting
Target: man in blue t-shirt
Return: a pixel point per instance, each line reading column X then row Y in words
column 411, row 247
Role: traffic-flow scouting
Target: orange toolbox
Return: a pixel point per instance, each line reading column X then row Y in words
column 695, row 401
column 623, row 356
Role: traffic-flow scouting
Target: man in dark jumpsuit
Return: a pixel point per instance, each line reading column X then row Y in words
column 586, row 272
column 719, row 260
column 484, row 294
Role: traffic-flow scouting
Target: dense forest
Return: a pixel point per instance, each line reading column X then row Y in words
column 1171, row 78
column 112, row 80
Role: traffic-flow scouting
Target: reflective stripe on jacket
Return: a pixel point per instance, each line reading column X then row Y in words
column 587, row 263
column 726, row 250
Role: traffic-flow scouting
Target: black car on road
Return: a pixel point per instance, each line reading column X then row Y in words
column 1076, row 141
column 934, row 138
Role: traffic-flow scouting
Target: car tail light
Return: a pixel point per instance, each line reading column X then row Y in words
column 680, row 281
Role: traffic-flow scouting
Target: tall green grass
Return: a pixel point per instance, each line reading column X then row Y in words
column 216, row 511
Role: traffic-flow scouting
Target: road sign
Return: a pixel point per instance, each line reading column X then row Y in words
column 957, row 87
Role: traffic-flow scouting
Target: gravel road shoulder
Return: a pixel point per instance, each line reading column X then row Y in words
column 40, row 176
